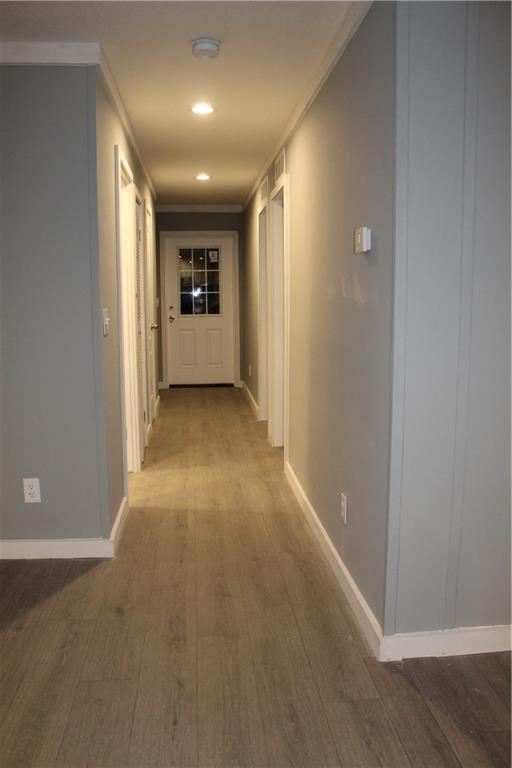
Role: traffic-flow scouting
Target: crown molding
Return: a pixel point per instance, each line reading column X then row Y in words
column 110, row 84
column 351, row 21
column 213, row 208
column 50, row 54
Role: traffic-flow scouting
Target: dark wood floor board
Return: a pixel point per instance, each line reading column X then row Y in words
column 18, row 653
column 33, row 599
column 422, row 738
column 32, row 731
column 448, row 699
column 99, row 725
column 463, row 678
column 306, row 578
column 164, row 733
column 340, row 672
column 364, row 735
column 489, row 666
column 230, row 723
column 82, row 596
column 116, row 648
column 295, row 723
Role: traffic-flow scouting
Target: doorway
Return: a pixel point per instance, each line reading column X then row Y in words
column 262, row 316
column 278, row 299
column 200, row 308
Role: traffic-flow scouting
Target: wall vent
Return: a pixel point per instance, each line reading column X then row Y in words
column 280, row 165
column 264, row 191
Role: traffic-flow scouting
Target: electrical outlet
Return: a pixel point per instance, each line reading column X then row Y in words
column 32, row 490
column 250, row 369
column 344, row 506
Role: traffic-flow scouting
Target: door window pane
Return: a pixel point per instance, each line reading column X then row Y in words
column 186, row 282
column 213, row 282
column 212, row 259
column 200, row 305
column 213, row 304
column 185, row 258
column 200, row 281
column 186, row 304
column 199, row 258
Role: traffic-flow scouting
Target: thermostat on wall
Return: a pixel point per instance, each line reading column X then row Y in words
column 362, row 239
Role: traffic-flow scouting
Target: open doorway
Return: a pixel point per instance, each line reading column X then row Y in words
column 278, row 278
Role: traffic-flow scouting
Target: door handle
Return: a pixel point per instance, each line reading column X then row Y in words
column 154, row 326
column 171, row 318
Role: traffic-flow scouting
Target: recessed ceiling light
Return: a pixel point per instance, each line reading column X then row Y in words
column 205, row 47
column 202, row 108
column 203, row 177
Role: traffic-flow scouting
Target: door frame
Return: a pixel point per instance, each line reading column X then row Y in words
column 143, row 428
column 125, row 266
column 263, row 251
column 279, row 307
column 191, row 234
column 151, row 318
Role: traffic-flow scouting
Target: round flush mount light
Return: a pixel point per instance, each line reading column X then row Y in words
column 203, row 177
column 205, row 47
column 202, row 108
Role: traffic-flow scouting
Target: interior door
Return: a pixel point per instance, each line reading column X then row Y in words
column 151, row 318
column 199, row 310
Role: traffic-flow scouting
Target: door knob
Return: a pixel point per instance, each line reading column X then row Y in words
column 171, row 318
column 154, row 326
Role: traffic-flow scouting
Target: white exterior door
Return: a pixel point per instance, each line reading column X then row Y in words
column 199, row 309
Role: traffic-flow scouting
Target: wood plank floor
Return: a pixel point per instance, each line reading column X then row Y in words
column 218, row 637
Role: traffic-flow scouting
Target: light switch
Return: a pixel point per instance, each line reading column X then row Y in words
column 362, row 239
column 106, row 321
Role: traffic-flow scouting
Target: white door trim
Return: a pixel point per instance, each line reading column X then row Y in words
column 262, row 251
column 190, row 235
column 139, row 201
column 126, row 322
column 151, row 314
column 279, row 337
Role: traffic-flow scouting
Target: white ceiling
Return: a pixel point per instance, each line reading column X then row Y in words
column 271, row 55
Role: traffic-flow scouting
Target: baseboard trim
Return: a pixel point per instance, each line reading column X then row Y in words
column 446, row 642
column 119, row 523
column 367, row 621
column 250, row 399
column 443, row 642
column 46, row 549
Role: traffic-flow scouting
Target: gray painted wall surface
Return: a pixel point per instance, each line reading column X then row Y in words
column 177, row 221
column 109, row 132
column 48, row 368
column 341, row 166
column 450, row 518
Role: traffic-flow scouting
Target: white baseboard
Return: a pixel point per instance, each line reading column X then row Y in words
column 368, row 624
column 39, row 549
column 252, row 402
column 119, row 522
column 445, row 642
column 163, row 385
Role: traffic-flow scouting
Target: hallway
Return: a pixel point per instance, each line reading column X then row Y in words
column 218, row 636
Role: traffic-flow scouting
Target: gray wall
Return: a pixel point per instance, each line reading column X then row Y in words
column 341, row 166
column 109, row 132
column 50, row 425
column 192, row 221
column 449, row 540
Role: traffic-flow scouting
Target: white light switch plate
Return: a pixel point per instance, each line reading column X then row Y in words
column 362, row 240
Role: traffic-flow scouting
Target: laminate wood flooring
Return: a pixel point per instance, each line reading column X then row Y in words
column 218, row 637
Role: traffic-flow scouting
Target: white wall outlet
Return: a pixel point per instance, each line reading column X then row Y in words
column 250, row 369
column 344, row 505
column 32, row 490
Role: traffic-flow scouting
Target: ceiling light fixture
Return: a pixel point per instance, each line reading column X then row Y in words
column 203, row 177
column 202, row 108
column 205, row 47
